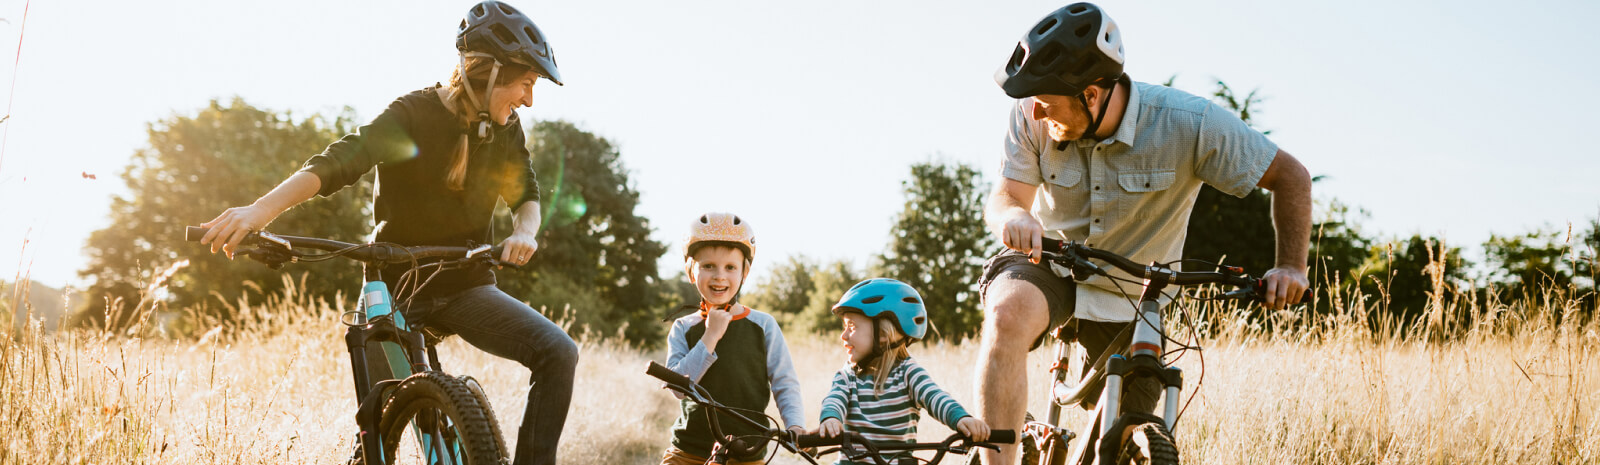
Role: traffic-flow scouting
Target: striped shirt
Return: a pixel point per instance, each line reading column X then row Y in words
column 892, row 415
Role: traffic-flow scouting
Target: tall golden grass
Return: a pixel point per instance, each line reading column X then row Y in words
column 1497, row 383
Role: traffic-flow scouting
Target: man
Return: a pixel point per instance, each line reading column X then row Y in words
column 1094, row 157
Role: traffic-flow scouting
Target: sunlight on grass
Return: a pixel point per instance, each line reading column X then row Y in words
column 1496, row 384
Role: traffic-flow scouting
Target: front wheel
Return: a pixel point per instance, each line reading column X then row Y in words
column 1149, row 444
column 439, row 419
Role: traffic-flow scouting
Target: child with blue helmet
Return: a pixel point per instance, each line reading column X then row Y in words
column 881, row 317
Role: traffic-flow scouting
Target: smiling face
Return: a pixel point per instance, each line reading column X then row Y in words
column 510, row 95
column 857, row 336
column 717, row 273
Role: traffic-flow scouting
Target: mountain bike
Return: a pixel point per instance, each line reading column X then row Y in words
column 849, row 444
column 404, row 390
column 1046, row 442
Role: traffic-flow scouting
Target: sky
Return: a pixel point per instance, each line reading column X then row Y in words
column 1459, row 119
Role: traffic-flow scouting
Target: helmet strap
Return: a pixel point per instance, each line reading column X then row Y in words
column 488, row 90
column 1105, row 104
column 873, row 354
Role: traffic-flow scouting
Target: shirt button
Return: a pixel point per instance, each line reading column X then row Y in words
column 1147, row 184
column 1052, row 176
column 1097, row 220
column 1096, row 187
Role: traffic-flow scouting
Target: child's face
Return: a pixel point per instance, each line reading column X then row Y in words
column 718, row 271
column 857, row 336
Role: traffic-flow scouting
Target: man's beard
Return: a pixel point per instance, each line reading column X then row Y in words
column 1061, row 133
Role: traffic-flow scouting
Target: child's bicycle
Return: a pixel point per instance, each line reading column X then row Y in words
column 850, row 444
column 448, row 417
column 1046, row 442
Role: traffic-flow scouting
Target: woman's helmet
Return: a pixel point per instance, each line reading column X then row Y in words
column 887, row 299
column 1073, row 48
column 502, row 32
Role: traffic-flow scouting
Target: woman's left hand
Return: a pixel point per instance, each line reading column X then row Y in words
column 518, row 248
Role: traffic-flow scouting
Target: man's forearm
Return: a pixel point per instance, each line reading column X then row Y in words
column 1291, row 220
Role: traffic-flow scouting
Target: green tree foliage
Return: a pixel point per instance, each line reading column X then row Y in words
column 195, row 167
column 1527, row 265
column 596, row 261
column 1409, row 273
column 828, row 285
column 1338, row 249
column 1237, row 231
column 786, row 289
column 938, row 245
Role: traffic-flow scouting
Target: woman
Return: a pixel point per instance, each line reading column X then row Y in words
column 445, row 154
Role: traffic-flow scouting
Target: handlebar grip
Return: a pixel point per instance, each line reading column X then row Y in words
column 194, row 233
column 1002, row 436
column 667, row 375
column 807, row 441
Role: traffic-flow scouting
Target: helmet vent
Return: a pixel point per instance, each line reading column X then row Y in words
column 872, row 300
column 532, row 34
column 736, row 220
column 502, row 34
column 1078, row 9
column 911, row 300
column 478, row 10
column 1082, row 31
column 507, row 9
column 704, row 220
column 1046, row 59
column 919, row 320
column 1016, row 60
column 1045, row 27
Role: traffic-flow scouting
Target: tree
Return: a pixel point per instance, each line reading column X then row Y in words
column 1409, row 274
column 938, row 245
column 786, row 290
column 828, row 285
column 194, row 168
column 595, row 259
column 1526, row 265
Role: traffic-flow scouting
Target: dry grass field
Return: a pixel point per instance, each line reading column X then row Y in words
column 1503, row 384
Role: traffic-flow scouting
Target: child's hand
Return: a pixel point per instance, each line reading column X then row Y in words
column 974, row 428
column 830, row 427
column 716, row 325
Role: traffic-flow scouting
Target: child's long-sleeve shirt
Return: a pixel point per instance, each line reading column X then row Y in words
column 750, row 366
column 893, row 414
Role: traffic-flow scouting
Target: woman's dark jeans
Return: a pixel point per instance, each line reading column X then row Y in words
column 490, row 320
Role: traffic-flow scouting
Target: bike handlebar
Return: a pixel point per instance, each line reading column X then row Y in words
column 1075, row 256
column 272, row 248
column 998, row 436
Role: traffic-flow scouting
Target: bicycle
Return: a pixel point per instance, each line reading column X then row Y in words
column 731, row 446
column 449, row 417
column 1047, row 443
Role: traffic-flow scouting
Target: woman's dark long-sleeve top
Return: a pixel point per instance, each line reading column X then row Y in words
column 412, row 143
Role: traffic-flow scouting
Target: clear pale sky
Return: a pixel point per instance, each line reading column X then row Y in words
column 1453, row 118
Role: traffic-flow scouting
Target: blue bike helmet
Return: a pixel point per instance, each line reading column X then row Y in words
column 888, row 299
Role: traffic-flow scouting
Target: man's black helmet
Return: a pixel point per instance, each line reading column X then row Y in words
column 499, row 30
column 1068, row 51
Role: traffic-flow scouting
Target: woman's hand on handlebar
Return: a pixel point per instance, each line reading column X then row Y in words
column 229, row 229
column 830, row 427
column 1282, row 286
column 1023, row 233
column 973, row 429
column 518, row 248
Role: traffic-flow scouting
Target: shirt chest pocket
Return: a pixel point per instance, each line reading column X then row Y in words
column 1060, row 169
column 1147, row 181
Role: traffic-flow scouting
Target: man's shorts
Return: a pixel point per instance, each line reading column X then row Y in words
column 1060, row 294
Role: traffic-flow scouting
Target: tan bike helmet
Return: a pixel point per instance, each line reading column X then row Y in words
column 721, row 229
